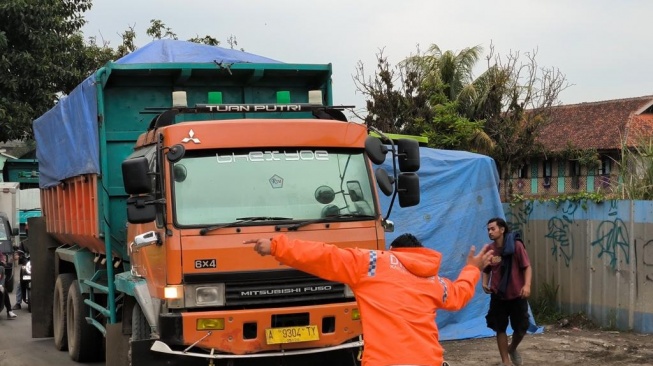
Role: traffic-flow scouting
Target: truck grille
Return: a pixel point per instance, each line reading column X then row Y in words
column 273, row 287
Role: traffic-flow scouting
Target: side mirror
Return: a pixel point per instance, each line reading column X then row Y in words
column 135, row 176
column 175, row 153
column 141, row 209
column 408, row 155
column 408, row 189
column 146, row 239
column 179, row 173
column 355, row 191
column 375, row 150
column 330, row 210
column 384, row 181
column 324, row 194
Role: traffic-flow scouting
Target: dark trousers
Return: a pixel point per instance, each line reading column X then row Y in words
column 7, row 301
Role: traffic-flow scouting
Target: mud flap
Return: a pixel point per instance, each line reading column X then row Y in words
column 117, row 346
column 42, row 247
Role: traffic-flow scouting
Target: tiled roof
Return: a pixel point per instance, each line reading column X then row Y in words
column 640, row 128
column 598, row 125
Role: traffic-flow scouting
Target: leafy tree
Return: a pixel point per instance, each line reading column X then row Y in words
column 44, row 56
column 38, row 44
column 396, row 101
column 158, row 30
column 499, row 113
column 450, row 130
column 447, row 78
column 420, row 96
column 447, row 73
column 515, row 98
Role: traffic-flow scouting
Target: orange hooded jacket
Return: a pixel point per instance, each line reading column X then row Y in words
column 398, row 293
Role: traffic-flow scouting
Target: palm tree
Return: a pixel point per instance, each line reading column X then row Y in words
column 448, row 77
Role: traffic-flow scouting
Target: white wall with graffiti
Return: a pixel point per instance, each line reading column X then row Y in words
column 599, row 254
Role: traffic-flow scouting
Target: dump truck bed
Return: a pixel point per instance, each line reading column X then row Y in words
column 82, row 142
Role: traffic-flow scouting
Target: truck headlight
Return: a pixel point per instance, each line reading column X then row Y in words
column 348, row 291
column 204, row 295
column 173, row 292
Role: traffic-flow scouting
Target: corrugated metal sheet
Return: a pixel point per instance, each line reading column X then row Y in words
column 70, row 211
column 599, row 255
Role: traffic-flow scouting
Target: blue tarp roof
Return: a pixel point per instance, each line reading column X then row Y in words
column 459, row 194
column 67, row 135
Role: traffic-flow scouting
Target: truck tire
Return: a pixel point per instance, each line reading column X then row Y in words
column 84, row 341
column 61, row 288
column 140, row 329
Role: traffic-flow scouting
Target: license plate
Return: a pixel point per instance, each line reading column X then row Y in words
column 25, row 278
column 292, row 334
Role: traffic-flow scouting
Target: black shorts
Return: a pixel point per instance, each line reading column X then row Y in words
column 501, row 311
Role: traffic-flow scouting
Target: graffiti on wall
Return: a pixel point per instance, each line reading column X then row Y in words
column 516, row 221
column 648, row 260
column 612, row 238
column 560, row 232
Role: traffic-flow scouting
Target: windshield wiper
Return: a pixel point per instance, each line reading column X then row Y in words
column 242, row 220
column 263, row 218
column 330, row 218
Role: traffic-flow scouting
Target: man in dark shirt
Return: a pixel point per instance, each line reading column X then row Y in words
column 508, row 280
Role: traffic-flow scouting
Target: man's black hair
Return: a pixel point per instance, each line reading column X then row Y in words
column 500, row 223
column 406, row 241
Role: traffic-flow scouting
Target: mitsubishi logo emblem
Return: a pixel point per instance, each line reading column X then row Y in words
column 191, row 137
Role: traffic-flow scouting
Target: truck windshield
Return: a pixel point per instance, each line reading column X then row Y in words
column 223, row 186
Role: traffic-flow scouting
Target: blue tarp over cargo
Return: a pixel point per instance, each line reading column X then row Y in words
column 67, row 135
column 459, row 194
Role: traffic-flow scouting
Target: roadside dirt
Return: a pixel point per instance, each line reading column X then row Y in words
column 570, row 342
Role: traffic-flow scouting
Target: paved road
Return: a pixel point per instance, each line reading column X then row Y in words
column 18, row 348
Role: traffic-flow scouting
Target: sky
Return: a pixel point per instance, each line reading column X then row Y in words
column 603, row 47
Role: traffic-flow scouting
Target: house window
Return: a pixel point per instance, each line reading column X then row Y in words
column 522, row 172
column 606, row 165
column 546, row 172
column 574, row 173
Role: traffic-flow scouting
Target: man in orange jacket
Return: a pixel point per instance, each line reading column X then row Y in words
column 398, row 291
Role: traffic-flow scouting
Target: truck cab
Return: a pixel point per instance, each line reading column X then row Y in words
column 196, row 194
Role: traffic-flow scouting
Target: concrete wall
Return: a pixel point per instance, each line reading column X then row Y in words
column 599, row 254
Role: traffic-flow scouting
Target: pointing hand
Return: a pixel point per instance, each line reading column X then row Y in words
column 261, row 246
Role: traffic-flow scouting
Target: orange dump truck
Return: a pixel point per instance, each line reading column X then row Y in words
column 149, row 191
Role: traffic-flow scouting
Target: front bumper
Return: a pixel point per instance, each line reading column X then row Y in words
column 244, row 331
column 143, row 355
column 159, row 346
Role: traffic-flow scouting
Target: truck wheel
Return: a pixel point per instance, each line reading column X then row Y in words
column 140, row 329
column 61, row 288
column 84, row 341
